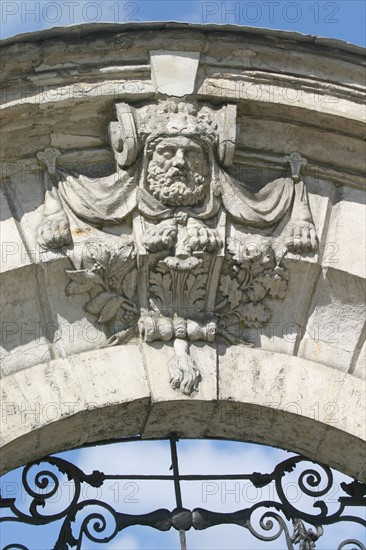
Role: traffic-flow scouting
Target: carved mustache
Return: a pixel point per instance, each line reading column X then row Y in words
column 175, row 172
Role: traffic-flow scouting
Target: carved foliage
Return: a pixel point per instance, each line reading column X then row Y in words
column 109, row 276
column 184, row 202
column 179, row 292
column 250, row 278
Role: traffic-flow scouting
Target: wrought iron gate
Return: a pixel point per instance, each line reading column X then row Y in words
column 100, row 522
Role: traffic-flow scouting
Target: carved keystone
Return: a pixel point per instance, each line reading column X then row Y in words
column 174, row 73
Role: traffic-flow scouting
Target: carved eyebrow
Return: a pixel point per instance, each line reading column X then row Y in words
column 164, row 146
column 194, row 147
column 161, row 147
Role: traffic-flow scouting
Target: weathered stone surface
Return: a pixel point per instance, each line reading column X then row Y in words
column 263, row 397
column 270, row 395
column 14, row 252
column 174, row 73
column 100, row 105
column 336, row 320
column 345, row 245
column 93, row 396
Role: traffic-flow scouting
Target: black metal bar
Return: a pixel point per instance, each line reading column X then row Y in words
column 189, row 477
column 42, row 479
column 173, row 450
column 178, row 494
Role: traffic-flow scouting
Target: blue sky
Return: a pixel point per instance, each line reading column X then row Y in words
column 342, row 19
column 138, row 497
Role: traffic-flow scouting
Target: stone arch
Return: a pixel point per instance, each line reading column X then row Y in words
column 256, row 396
column 301, row 385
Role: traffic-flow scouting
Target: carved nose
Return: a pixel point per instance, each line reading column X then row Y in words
column 179, row 159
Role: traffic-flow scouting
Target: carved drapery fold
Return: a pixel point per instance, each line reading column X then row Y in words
column 186, row 270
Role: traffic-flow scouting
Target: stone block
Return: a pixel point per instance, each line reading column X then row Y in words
column 335, row 320
column 25, row 332
column 345, row 246
column 174, row 73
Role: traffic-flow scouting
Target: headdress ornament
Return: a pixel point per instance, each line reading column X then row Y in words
column 137, row 125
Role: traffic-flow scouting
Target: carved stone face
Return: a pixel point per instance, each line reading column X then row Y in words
column 176, row 172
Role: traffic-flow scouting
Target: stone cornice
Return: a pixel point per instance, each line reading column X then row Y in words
column 315, row 85
column 261, row 34
column 211, row 235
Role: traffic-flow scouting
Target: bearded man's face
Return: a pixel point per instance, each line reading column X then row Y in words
column 176, row 172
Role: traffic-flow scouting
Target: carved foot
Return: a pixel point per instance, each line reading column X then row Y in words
column 301, row 237
column 54, row 232
column 201, row 238
column 161, row 236
column 184, row 374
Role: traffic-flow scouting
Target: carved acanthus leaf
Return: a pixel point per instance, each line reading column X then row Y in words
column 96, row 305
column 176, row 278
column 83, row 280
column 230, row 288
column 129, row 284
column 195, row 290
column 255, row 315
column 160, row 288
column 250, row 277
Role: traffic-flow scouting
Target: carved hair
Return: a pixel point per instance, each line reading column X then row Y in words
column 215, row 126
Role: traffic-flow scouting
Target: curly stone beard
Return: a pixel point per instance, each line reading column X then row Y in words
column 175, row 187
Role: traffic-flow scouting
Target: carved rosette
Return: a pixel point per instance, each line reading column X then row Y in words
column 180, row 276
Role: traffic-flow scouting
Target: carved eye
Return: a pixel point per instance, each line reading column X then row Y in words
column 193, row 156
column 167, row 153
